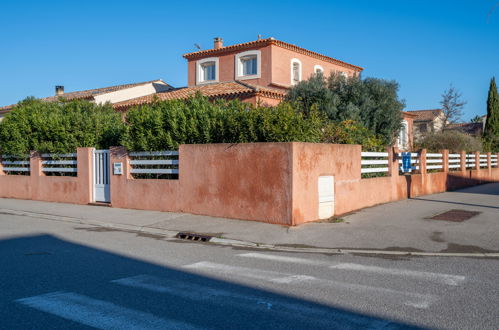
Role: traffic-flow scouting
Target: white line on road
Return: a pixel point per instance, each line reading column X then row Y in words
column 414, row 299
column 251, row 272
column 282, row 308
column 438, row 277
column 98, row 313
column 448, row 279
column 273, row 257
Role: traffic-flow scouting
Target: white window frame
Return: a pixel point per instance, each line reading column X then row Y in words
column 239, row 65
column 404, row 140
column 318, row 67
column 199, row 71
column 293, row 61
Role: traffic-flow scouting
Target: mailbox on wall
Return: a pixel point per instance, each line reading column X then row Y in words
column 118, row 168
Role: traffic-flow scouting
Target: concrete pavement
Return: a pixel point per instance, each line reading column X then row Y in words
column 400, row 226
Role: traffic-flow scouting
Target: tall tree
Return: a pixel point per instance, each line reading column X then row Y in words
column 452, row 106
column 491, row 132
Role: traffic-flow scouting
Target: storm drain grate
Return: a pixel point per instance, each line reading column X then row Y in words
column 455, row 215
column 193, row 237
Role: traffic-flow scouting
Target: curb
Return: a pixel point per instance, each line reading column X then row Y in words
column 172, row 235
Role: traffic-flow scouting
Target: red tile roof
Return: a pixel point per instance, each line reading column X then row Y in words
column 87, row 94
column 90, row 93
column 425, row 115
column 266, row 42
column 229, row 89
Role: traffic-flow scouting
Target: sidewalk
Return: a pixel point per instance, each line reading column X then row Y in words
column 399, row 226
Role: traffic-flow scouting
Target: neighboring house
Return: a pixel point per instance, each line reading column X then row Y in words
column 427, row 121
column 473, row 129
column 111, row 94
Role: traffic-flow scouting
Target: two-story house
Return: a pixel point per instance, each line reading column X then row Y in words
column 257, row 72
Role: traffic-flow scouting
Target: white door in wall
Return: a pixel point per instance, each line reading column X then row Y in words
column 102, row 192
column 326, row 196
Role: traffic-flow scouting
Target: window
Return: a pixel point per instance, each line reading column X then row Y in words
column 318, row 69
column 404, row 135
column 295, row 71
column 207, row 70
column 247, row 65
column 423, row 128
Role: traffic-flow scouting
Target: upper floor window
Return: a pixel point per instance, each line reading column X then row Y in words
column 207, row 70
column 248, row 65
column 318, row 69
column 295, row 71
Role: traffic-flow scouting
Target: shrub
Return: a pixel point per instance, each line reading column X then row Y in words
column 57, row 127
column 167, row 124
column 371, row 102
column 451, row 140
column 350, row 132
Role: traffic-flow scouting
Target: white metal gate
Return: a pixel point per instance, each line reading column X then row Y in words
column 102, row 192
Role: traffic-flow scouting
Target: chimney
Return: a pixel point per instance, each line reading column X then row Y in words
column 218, row 43
column 59, row 90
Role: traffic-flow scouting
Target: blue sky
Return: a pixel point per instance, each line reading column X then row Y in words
column 425, row 45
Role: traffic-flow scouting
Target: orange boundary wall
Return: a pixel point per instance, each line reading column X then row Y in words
column 268, row 182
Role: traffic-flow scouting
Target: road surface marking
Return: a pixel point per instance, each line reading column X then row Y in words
column 442, row 278
column 98, row 313
column 278, row 308
column 414, row 299
column 266, row 275
column 273, row 257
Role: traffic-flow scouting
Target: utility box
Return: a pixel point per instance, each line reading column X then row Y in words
column 326, row 196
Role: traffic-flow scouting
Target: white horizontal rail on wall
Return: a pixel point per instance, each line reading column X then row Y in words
column 154, row 153
column 10, row 164
column 59, row 155
column 434, row 158
column 154, row 162
column 16, row 169
column 367, row 164
column 56, row 164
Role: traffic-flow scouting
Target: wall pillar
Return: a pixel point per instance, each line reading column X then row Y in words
column 463, row 163
column 445, row 160
column 119, row 182
column 1, row 166
column 85, row 174
column 422, row 162
column 35, row 169
column 477, row 160
column 393, row 161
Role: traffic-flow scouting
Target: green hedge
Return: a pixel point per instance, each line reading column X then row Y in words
column 166, row 125
column 59, row 127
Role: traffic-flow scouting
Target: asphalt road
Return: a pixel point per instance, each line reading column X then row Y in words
column 56, row 275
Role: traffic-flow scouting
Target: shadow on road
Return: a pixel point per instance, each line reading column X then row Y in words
column 46, row 282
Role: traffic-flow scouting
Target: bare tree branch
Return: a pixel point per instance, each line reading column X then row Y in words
column 452, row 106
column 491, row 11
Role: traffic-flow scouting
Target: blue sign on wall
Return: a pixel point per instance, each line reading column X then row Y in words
column 406, row 162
